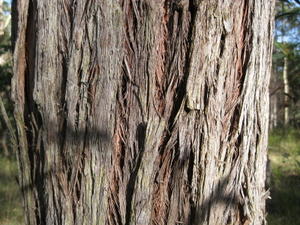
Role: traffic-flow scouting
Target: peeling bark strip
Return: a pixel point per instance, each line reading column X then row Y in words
column 142, row 112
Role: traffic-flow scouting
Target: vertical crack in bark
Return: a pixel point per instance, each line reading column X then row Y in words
column 33, row 122
column 167, row 187
column 121, row 140
column 114, row 216
column 130, row 115
column 140, row 137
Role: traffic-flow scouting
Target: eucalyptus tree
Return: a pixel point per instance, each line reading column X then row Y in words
column 142, row 112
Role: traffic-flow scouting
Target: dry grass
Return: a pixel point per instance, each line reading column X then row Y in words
column 284, row 154
column 11, row 212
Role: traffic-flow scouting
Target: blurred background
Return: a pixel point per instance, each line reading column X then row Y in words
column 283, row 175
column 284, row 137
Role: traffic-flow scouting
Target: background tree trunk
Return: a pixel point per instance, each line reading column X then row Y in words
column 142, row 112
column 274, row 88
column 286, row 91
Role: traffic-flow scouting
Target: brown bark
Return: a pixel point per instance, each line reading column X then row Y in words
column 142, row 112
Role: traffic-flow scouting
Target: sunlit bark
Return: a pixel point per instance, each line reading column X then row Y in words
column 142, row 112
column 286, row 91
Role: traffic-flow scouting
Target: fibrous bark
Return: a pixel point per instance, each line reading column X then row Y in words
column 142, row 112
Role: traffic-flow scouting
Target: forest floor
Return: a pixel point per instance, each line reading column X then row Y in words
column 10, row 200
column 283, row 208
column 284, row 155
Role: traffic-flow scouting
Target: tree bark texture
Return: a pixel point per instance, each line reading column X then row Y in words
column 142, row 112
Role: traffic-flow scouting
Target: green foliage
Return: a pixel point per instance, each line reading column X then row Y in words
column 287, row 45
column 11, row 212
column 287, row 21
column 285, row 141
column 5, row 66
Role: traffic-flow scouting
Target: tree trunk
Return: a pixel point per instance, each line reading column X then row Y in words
column 273, row 112
column 142, row 112
column 273, row 90
column 286, row 91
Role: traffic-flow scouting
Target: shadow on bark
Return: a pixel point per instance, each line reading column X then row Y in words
column 220, row 197
column 73, row 137
column 68, row 138
column 140, row 137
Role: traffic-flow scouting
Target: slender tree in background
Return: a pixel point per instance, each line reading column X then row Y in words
column 274, row 95
column 142, row 112
column 285, row 81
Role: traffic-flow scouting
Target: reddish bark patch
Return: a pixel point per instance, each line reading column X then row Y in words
column 114, row 214
column 161, row 191
column 161, row 49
